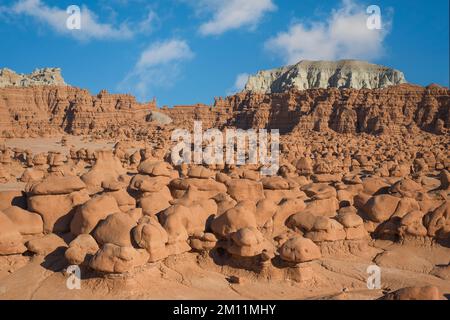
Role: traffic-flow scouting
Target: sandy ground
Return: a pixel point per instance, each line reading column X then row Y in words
column 195, row 276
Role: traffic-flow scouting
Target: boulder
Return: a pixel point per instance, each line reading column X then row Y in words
column 12, row 198
column 246, row 242
column 27, row 222
column 275, row 183
column 244, row 189
column 56, row 185
column 381, row 207
column 241, row 216
column 299, row 249
column 116, row 259
column 326, row 229
column 11, row 241
column 407, row 188
column 115, row 229
column 438, row 222
column 156, row 168
column 203, row 241
column 92, row 212
column 46, row 244
column 81, row 249
column 57, row 211
column 151, row 236
column 200, row 173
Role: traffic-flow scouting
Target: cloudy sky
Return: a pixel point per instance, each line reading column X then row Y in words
column 189, row 51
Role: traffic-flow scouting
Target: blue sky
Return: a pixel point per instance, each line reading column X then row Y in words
column 189, row 51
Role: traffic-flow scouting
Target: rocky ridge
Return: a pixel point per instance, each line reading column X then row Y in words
column 39, row 77
column 324, row 74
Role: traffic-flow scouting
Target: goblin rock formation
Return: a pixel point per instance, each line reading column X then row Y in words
column 324, row 74
column 363, row 180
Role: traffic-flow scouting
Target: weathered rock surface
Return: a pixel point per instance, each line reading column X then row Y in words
column 324, row 74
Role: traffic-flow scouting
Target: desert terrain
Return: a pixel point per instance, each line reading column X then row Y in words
column 88, row 183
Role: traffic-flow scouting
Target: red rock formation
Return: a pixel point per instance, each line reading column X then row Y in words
column 45, row 110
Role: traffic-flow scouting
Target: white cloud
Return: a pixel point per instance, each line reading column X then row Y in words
column 233, row 14
column 157, row 67
column 343, row 35
column 164, row 52
column 56, row 19
column 239, row 84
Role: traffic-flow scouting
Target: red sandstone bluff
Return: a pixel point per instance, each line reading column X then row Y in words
column 88, row 188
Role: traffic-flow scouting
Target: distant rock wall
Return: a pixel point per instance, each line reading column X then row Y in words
column 39, row 77
column 46, row 110
column 50, row 110
column 324, row 74
column 344, row 110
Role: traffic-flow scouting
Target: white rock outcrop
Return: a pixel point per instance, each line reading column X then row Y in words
column 324, row 74
column 39, row 77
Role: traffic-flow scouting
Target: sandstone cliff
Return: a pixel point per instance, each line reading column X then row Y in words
column 344, row 110
column 324, row 74
column 44, row 110
column 39, row 77
column 48, row 110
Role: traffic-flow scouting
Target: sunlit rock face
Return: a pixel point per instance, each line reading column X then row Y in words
column 324, row 74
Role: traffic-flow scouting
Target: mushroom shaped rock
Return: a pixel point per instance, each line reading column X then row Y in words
column 323, row 207
column 374, row 185
column 116, row 259
column 81, row 249
column 299, row 249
